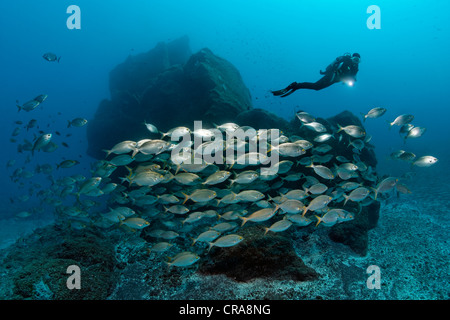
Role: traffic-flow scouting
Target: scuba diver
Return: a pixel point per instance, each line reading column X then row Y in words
column 344, row 69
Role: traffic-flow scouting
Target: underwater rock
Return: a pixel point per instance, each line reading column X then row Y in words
column 346, row 118
column 354, row 233
column 37, row 264
column 167, row 87
column 138, row 72
column 260, row 118
column 257, row 256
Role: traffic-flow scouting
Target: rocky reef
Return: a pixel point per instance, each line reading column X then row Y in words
column 36, row 266
column 168, row 87
column 270, row 256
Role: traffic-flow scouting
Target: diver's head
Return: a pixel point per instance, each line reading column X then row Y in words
column 356, row 58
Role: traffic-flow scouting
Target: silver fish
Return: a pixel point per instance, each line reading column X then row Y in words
column 250, row 195
column 352, row 130
column 323, row 137
column 279, row 226
column 122, row 147
column 152, row 147
column 292, row 206
column 317, row 203
column 374, row 113
column 217, row 177
column 357, row 195
column 226, row 241
column 315, row 126
column 177, row 209
column 415, row 132
column 305, row 117
column 51, row 57
column 329, row 219
column 77, row 122
column 289, row 149
column 425, row 161
column 184, row 260
column 207, row 236
column 41, row 142
column 385, row 186
column 200, row 195
column 322, row 171
column 299, row 220
column 29, row 106
column 151, row 127
column 401, row 120
column 260, row 215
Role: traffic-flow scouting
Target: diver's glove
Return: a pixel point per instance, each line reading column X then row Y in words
column 286, row 91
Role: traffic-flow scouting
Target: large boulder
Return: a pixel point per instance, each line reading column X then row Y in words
column 261, row 119
column 270, row 256
column 168, row 87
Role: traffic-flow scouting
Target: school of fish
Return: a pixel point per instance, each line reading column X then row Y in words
column 195, row 206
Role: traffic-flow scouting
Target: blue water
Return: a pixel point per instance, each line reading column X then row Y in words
column 404, row 66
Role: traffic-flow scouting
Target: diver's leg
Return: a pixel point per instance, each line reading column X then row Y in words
column 322, row 83
column 285, row 90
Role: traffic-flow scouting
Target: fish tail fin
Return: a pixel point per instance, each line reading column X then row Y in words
column 306, row 189
column 340, row 128
column 130, row 171
column 165, row 209
column 193, row 241
column 135, row 151
column 210, row 246
column 128, row 177
column 244, row 220
column 346, row 198
column 123, row 179
column 390, row 124
column 108, row 152
column 304, row 211
column 19, row 107
column 266, row 230
column 363, row 116
column 68, row 123
column 319, row 220
column 311, row 165
column 277, row 206
column 186, row 197
column 59, row 59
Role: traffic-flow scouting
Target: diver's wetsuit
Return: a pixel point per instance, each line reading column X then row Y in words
column 341, row 69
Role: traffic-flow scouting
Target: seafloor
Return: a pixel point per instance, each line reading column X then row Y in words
column 409, row 245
